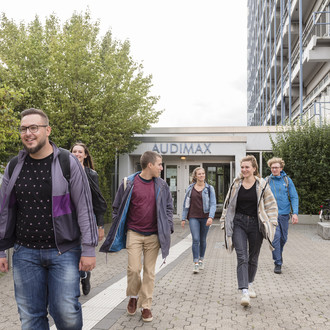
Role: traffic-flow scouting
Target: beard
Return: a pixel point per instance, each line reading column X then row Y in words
column 35, row 149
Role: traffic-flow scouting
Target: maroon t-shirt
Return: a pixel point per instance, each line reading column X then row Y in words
column 142, row 216
column 196, row 205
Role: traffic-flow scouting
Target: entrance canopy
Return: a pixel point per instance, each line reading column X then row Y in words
column 217, row 149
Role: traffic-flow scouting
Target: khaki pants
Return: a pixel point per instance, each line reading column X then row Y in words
column 136, row 244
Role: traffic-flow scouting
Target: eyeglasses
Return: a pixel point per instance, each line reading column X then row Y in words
column 274, row 168
column 31, row 128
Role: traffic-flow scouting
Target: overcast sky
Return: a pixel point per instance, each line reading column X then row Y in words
column 194, row 49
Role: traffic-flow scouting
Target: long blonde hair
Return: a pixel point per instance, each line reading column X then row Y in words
column 194, row 173
column 252, row 159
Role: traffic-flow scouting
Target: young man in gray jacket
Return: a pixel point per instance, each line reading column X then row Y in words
column 143, row 223
column 50, row 223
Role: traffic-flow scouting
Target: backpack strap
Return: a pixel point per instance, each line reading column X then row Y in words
column 12, row 164
column 125, row 183
column 262, row 192
column 231, row 188
column 286, row 180
column 64, row 159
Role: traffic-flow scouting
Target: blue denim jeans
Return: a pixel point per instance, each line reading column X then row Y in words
column 199, row 232
column 247, row 240
column 280, row 238
column 44, row 279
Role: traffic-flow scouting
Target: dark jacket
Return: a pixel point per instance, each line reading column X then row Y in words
column 116, row 239
column 99, row 204
column 72, row 211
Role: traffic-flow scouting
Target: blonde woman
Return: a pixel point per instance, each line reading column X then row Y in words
column 249, row 215
column 199, row 208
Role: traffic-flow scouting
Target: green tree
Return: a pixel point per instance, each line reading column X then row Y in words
column 306, row 152
column 9, row 124
column 90, row 86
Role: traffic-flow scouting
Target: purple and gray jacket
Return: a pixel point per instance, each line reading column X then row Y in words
column 72, row 207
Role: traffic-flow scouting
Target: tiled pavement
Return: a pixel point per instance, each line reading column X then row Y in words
column 297, row 299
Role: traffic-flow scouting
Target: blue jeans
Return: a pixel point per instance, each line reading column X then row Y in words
column 280, row 238
column 44, row 279
column 247, row 240
column 199, row 231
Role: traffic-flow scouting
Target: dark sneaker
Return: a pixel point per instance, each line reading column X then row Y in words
column 131, row 307
column 277, row 269
column 86, row 284
column 146, row 315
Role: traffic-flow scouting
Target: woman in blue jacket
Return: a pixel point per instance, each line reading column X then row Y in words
column 199, row 208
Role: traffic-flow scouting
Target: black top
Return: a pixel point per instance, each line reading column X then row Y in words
column 33, row 189
column 247, row 201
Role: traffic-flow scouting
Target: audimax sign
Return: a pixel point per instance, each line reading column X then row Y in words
column 182, row 148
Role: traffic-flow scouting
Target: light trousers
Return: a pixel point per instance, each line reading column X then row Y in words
column 139, row 245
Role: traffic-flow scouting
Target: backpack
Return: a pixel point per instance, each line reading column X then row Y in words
column 63, row 157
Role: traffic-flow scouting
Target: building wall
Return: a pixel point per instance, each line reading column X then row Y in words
column 288, row 61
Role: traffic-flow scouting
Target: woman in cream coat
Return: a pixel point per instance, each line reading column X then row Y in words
column 249, row 215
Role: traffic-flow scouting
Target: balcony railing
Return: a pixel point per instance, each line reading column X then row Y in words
column 317, row 109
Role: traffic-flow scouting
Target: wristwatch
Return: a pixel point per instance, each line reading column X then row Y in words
column 100, row 227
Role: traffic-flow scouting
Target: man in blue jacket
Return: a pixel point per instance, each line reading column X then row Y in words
column 143, row 223
column 287, row 200
column 50, row 223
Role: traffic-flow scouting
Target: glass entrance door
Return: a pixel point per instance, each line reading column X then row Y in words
column 172, row 181
column 218, row 176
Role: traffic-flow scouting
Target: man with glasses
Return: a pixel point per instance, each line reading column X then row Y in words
column 50, row 223
column 287, row 200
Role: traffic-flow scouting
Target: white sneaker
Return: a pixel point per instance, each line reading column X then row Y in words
column 252, row 293
column 245, row 301
column 196, row 268
column 201, row 264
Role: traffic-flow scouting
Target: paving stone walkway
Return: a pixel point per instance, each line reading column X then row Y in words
column 296, row 299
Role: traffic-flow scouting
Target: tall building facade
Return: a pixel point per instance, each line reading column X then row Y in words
column 288, row 61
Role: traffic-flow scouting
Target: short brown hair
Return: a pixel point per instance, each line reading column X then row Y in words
column 33, row 111
column 252, row 159
column 149, row 157
column 276, row 160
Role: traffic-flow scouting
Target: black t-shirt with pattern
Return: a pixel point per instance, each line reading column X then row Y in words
column 33, row 189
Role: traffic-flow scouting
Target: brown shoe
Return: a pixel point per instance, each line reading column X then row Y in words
column 131, row 307
column 146, row 315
